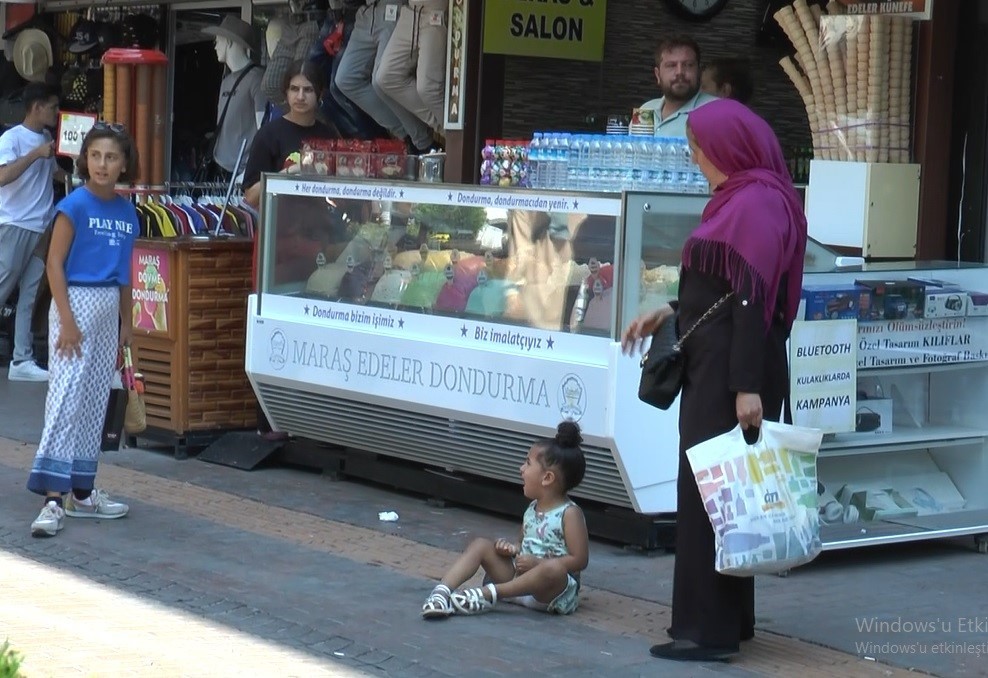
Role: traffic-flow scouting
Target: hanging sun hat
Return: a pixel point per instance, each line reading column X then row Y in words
column 235, row 30
column 32, row 54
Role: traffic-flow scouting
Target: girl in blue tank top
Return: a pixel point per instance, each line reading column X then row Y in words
column 89, row 268
column 541, row 570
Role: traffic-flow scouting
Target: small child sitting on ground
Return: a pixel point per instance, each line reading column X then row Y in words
column 543, row 571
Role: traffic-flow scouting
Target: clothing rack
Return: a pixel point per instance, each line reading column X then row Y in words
column 198, row 185
column 193, row 208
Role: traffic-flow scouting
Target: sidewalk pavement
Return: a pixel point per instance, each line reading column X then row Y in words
column 280, row 572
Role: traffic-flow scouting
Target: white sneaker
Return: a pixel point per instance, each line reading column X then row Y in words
column 26, row 370
column 98, row 505
column 49, row 521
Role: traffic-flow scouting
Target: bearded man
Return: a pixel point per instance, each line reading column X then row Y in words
column 677, row 71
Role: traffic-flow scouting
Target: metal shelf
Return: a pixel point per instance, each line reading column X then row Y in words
column 848, row 444
column 916, row 528
column 923, row 369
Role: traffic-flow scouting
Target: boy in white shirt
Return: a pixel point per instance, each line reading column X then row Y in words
column 27, row 170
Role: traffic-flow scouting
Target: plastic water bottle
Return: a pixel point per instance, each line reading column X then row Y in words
column 561, row 164
column 573, row 164
column 595, row 163
column 547, row 171
column 584, row 162
column 659, row 179
column 684, row 167
column 535, row 160
column 700, row 184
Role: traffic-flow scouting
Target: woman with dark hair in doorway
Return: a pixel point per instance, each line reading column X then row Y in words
column 281, row 137
column 273, row 144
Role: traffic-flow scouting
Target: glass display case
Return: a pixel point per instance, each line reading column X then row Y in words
column 463, row 253
column 451, row 326
column 656, row 227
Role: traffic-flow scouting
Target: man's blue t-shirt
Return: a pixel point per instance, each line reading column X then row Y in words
column 105, row 231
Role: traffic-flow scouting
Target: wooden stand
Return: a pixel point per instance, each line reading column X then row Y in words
column 190, row 323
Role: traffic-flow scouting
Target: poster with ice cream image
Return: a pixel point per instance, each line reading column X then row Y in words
column 151, row 283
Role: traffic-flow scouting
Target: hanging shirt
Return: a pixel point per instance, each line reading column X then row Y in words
column 246, row 102
column 103, row 241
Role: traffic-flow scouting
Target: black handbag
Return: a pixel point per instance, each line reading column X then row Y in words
column 662, row 365
column 113, row 423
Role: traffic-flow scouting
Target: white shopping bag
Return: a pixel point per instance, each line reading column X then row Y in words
column 761, row 498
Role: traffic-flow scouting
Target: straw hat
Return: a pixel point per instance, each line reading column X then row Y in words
column 234, row 30
column 32, row 54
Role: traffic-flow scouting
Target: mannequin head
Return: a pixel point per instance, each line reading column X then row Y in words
column 234, row 39
column 222, row 46
column 231, row 53
column 276, row 27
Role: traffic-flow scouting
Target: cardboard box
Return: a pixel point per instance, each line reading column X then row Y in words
column 835, row 301
column 876, row 503
column 895, row 299
column 873, row 415
column 977, row 303
column 932, row 282
column 929, row 493
column 945, row 302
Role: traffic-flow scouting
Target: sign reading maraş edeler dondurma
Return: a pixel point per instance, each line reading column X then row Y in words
column 559, row 29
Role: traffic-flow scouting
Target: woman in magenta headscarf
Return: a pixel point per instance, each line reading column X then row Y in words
column 751, row 240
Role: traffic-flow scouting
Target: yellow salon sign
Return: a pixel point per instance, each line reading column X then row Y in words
column 557, row 29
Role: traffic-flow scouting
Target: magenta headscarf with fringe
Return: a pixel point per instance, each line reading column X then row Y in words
column 753, row 231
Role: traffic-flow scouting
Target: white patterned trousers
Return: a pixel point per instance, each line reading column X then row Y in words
column 78, row 393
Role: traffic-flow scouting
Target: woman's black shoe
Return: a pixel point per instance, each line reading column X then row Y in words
column 687, row 651
column 747, row 636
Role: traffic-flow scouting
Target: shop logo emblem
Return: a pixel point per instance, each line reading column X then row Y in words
column 572, row 398
column 279, row 350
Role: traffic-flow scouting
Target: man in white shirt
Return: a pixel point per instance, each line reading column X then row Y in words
column 27, row 169
column 677, row 71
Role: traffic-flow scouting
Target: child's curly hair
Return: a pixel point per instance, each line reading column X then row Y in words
column 564, row 452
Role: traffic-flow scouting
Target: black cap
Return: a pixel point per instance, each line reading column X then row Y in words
column 107, row 35
column 83, row 37
column 140, row 31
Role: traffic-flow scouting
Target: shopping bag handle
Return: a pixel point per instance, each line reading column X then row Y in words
column 752, row 435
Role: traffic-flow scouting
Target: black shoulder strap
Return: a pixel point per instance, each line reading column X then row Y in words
column 226, row 104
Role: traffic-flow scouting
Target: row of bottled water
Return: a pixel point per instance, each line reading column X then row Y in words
column 612, row 163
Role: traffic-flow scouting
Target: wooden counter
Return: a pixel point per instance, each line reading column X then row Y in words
column 190, row 323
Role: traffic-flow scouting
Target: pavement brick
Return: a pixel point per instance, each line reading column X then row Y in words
column 185, row 544
column 333, row 644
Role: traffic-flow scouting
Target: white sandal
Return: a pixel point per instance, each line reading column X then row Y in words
column 437, row 605
column 472, row 601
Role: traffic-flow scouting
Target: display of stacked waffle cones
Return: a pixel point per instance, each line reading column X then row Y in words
column 854, row 75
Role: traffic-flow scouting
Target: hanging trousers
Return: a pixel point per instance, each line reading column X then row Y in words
column 355, row 78
column 412, row 71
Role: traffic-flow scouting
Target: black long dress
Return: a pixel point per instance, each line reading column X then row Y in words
column 729, row 353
